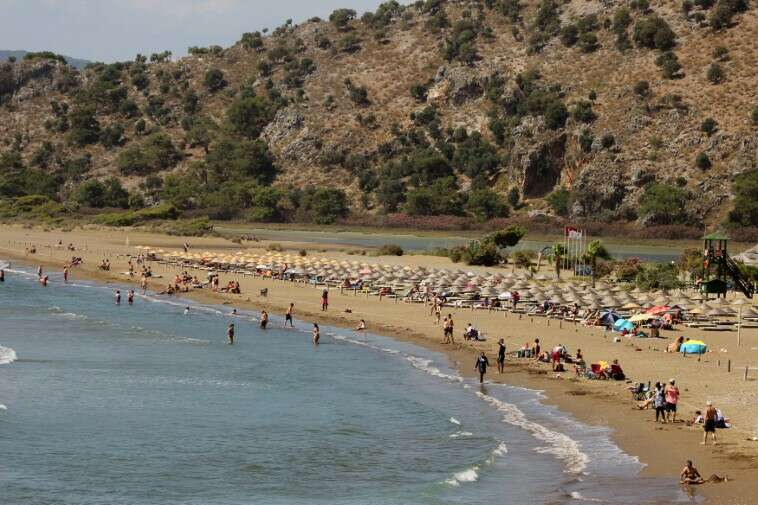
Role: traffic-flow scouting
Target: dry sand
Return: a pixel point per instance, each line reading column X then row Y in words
column 662, row 447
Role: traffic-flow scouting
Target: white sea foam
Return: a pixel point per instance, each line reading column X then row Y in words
column 454, row 421
column 70, row 315
column 501, row 450
column 461, row 434
column 7, row 355
column 3, row 407
column 576, row 495
column 425, row 365
column 559, row 445
column 362, row 343
column 468, row 475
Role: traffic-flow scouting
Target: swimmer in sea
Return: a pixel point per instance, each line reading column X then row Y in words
column 39, row 271
column 316, row 333
column 43, row 281
column 118, row 297
column 288, row 316
column 130, row 297
column 230, row 333
column 234, row 312
column 2, row 275
column 264, row 319
column 186, row 310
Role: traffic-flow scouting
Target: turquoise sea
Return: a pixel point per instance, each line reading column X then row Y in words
column 135, row 405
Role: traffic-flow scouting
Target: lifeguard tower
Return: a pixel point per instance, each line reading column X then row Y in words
column 718, row 268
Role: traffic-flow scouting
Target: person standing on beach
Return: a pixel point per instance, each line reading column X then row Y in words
column 230, row 333
column 672, row 398
column 501, row 355
column 450, row 328
column 437, row 311
column 288, row 316
column 264, row 319
column 324, row 300
column 445, row 326
column 143, row 284
column 130, row 297
column 709, row 424
column 118, row 297
column 481, row 366
column 316, row 333
column 65, row 274
column 659, row 401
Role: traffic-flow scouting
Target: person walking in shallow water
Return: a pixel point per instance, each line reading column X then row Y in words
column 288, row 316
column 501, row 355
column 481, row 366
column 230, row 333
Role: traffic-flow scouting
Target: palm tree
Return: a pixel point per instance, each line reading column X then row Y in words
column 559, row 251
column 595, row 250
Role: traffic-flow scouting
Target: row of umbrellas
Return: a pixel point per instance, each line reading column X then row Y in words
column 459, row 282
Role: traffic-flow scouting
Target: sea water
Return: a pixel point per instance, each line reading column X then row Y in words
column 116, row 404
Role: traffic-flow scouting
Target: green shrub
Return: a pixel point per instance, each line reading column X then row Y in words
column 248, row 115
column 341, row 18
column 588, row 42
column 642, row 88
column 485, row 204
column 720, row 53
column 214, row 80
column 663, row 204
column 621, row 20
column 155, row 153
column 745, row 188
column 190, row 228
column 654, row 33
column 556, row 115
column 658, row 276
column 715, row 73
column 85, row 128
column 754, row 115
column 390, row 250
column 702, row 161
column 559, row 201
column 569, row 35
column 708, row 126
column 582, row 112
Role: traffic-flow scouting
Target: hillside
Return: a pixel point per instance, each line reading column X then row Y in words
column 5, row 55
column 587, row 110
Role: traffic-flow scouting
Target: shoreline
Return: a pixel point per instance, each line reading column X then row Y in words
column 662, row 448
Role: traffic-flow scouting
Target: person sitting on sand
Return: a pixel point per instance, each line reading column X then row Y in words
column 675, row 345
column 471, row 333
column 690, row 475
column 615, row 372
column 361, row 325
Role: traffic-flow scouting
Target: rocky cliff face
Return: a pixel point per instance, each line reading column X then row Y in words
column 322, row 132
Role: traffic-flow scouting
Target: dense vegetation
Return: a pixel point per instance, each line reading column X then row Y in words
column 202, row 136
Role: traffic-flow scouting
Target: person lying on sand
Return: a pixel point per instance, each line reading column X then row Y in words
column 361, row 325
column 690, row 475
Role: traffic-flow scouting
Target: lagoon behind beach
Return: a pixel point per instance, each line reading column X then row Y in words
column 144, row 404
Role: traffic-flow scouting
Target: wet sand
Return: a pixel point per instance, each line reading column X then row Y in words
column 663, row 448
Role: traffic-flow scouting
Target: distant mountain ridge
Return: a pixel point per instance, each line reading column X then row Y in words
column 19, row 55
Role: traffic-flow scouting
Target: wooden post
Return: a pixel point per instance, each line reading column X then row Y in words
column 746, row 369
column 729, row 365
column 560, row 324
column 739, row 329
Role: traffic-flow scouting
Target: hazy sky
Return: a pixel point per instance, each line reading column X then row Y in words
column 110, row 30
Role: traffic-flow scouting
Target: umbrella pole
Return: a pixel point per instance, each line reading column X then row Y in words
column 739, row 325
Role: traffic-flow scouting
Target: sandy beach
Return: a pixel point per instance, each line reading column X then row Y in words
column 662, row 447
